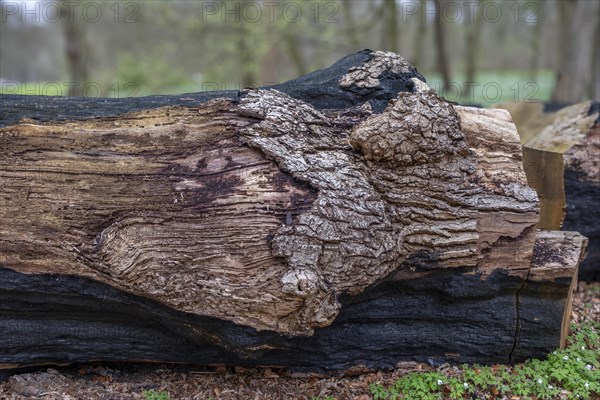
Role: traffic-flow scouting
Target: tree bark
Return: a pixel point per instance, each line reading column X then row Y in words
column 261, row 229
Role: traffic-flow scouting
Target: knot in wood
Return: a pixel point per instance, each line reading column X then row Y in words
column 302, row 283
column 416, row 128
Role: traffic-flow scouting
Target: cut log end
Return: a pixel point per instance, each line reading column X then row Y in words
column 561, row 156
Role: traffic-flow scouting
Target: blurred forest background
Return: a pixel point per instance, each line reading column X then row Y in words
column 483, row 52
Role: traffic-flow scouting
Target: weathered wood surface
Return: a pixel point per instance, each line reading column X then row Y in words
column 561, row 150
column 263, row 230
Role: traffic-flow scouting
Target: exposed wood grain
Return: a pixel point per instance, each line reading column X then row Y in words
column 545, row 174
column 168, row 204
column 561, row 154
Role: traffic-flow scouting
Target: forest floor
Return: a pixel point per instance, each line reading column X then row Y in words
column 146, row 382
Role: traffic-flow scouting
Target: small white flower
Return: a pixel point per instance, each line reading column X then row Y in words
column 578, row 359
column 466, row 385
column 540, row 381
column 554, row 352
column 587, row 385
column 582, row 347
column 565, row 357
column 550, row 387
column 440, row 382
column 589, row 367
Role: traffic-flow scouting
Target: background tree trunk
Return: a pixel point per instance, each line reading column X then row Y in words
column 574, row 72
column 440, row 40
column 595, row 87
column 390, row 36
column 536, row 41
column 473, row 38
column 295, row 52
column 76, row 48
column 420, row 36
column 350, row 23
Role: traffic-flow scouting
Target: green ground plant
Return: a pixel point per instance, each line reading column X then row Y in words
column 154, row 395
column 572, row 373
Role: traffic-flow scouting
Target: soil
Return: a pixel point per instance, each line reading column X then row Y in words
column 125, row 382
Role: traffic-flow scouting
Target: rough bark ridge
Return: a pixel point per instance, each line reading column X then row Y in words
column 420, row 197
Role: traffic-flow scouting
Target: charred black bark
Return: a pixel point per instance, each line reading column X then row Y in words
column 319, row 88
column 444, row 317
column 583, row 215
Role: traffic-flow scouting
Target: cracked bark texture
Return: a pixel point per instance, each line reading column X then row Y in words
column 421, row 196
column 259, row 227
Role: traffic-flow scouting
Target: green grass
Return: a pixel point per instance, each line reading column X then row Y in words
column 35, row 88
column 154, row 395
column 572, row 373
column 64, row 88
column 492, row 87
column 114, row 90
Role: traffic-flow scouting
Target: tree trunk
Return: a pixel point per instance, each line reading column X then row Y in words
column 248, row 63
column 295, row 51
column 574, row 72
column 390, row 34
column 76, row 49
column 420, row 36
column 278, row 227
column 594, row 90
column 536, row 40
column 350, row 24
column 473, row 39
column 440, row 40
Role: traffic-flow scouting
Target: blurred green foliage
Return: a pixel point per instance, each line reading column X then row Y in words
column 170, row 47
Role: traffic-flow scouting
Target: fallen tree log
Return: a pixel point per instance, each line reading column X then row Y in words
column 561, row 151
column 309, row 232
